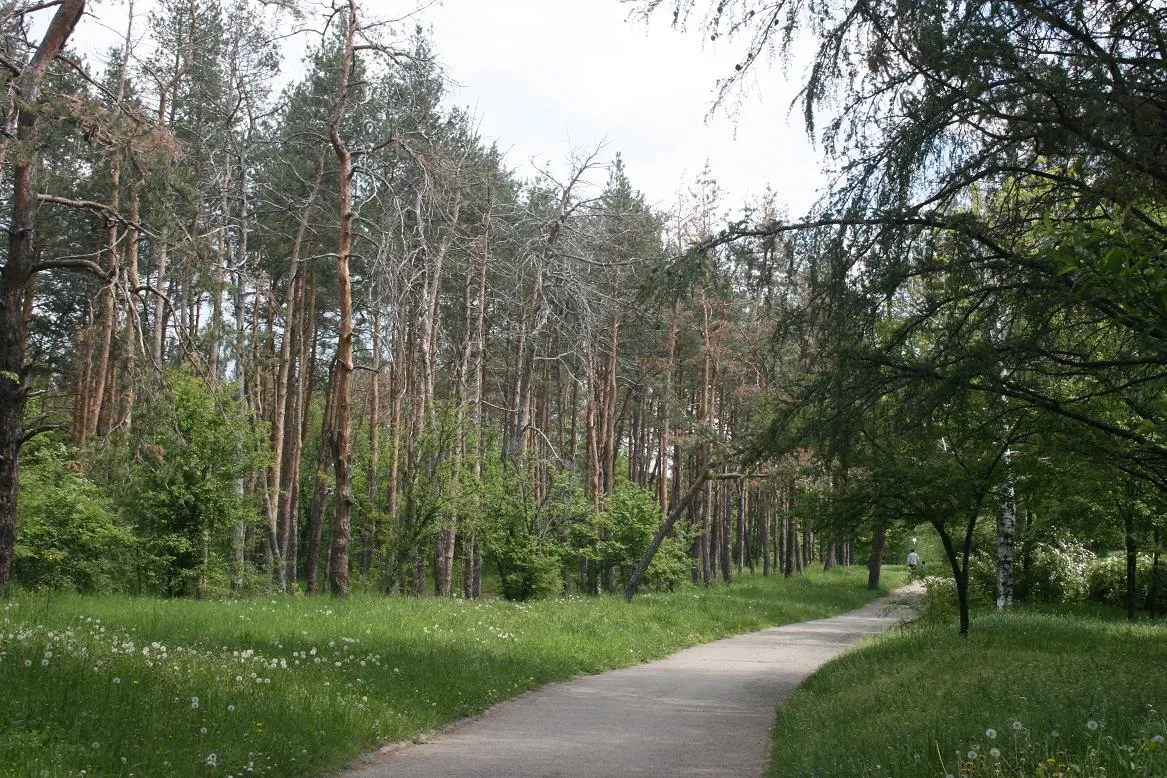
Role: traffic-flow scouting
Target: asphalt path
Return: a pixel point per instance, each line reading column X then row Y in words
column 705, row 711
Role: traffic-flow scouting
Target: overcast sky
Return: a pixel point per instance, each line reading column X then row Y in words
column 544, row 76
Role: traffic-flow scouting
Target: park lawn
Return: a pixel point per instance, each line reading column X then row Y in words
column 1033, row 692
column 293, row 686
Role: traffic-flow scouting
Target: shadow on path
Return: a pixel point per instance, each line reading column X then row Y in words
column 705, row 711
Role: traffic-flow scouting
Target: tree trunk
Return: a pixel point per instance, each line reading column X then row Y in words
column 341, row 433
column 1131, row 561
column 725, row 522
column 661, row 533
column 874, row 565
column 319, row 494
column 765, row 516
column 16, row 277
column 1006, row 533
column 369, row 535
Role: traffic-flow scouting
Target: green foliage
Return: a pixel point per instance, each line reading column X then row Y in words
column 620, row 535
column 182, row 462
column 524, row 534
column 938, row 607
column 1106, row 581
column 1054, row 571
column 70, row 536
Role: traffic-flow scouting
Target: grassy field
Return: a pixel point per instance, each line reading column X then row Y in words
column 292, row 686
column 1029, row 693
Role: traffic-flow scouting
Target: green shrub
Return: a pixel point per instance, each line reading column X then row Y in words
column 180, row 466
column 1106, row 582
column 525, row 536
column 939, row 606
column 1054, row 571
column 619, row 536
column 68, row 532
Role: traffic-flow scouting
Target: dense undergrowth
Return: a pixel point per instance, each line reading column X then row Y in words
column 296, row 686
column 1041, row 691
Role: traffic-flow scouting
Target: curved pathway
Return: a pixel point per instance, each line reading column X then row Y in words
column 705, row 711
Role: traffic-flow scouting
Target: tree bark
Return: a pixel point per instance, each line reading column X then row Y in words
column 1006, row 534
column 874, row 565
column 341, row 433
column 661, row 533
column 1132, row 560
column 17, row 275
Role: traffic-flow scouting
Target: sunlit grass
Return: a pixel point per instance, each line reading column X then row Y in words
column 297, row 686
column 1028, row 693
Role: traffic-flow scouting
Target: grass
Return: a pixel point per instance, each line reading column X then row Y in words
column 291, row 686
column 1053, row 692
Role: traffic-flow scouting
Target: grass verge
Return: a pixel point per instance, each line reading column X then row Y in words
column 1028, row 693
column 292, row 686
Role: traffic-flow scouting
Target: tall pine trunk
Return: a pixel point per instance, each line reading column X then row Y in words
column 341, row 433
column 16, row 278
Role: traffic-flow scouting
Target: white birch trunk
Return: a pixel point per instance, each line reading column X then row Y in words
column 1006, row 536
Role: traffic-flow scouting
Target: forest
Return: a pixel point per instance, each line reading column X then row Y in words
column 272, row 336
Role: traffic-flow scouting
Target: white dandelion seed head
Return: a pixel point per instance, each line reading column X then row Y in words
column 994, row 752
column 212, row 760
column 1157, row 739
column 972, row 755
column 202, row 730
column 1017, row 726
column 1092, row 725
column 116, row 680
column 230, row 708
column 28, row 663
column 990, row 733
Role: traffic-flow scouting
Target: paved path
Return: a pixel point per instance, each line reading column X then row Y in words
column 705, row 711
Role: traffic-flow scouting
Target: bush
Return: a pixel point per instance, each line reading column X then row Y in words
column 1106, row 582
column 1054, row 571
column 1049, row 571
column 939, row 606
column 68, row 532
column 181, row 464
column 524, row 535
column 620, row 535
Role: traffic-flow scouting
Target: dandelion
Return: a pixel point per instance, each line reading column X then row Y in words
column 972, row 755
column 28, row 663
column 991, row 733
column 230, row 708
column 202, row 730
column 238, row 678
column 44, row 663
column 994, row 752
column 212, row 760
column 116, row 680
column 1016, row 726
column 95, row 745
column 1157, row 739
column 1092, row 725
